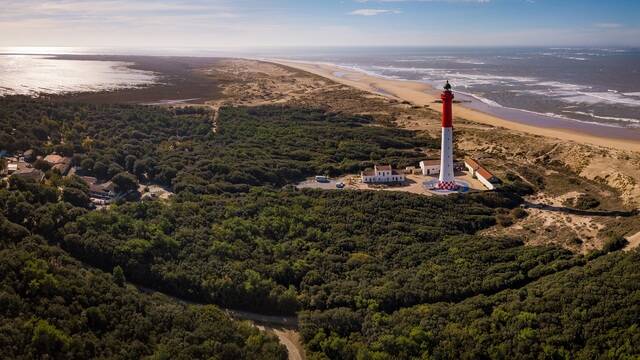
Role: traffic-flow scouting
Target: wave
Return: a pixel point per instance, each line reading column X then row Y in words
column 558, row 116
column 481, row 99
column 629, row 120
column 471, row 62
column 634, row 122
column 574, row 58
column 599, row 97
column 365, row 71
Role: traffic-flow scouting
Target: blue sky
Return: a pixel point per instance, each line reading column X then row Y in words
column 250, row 23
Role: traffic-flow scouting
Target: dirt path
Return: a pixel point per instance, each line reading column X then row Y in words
column 289, row 338
column 284, row 327
column 215, row 116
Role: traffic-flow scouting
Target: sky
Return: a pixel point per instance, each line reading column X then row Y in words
column 284, row 23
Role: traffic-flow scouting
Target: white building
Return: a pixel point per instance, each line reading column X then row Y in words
column 382, row 174
column 11, row 168
column 430, row 167
column 479, row 172
column 412, row 170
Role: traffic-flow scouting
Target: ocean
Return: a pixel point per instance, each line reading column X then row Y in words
column 549, row 87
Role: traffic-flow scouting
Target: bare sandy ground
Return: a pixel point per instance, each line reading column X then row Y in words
column 414, row 184
column 634, row 242
column 422, row 94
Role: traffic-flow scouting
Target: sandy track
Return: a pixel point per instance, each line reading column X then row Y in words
column 284, row 327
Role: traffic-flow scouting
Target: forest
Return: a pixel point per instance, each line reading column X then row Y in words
column 54, row 307
column 280, row 251
column 372, row 275
column 590, row 311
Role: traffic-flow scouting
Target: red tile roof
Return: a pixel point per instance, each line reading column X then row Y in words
column 431, row 162
column 484, row 173
column 54, row 159
column 472, row 163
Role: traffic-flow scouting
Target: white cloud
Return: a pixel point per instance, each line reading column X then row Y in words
column 608, row 25
column 107, row 8
column 373, row 12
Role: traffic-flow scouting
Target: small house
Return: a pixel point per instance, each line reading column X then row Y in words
column 11, row 168
column 101, row 194
column 430, row 167
column 30, row 174
column 412, row 170
column 382, row 174
column 483, row 175
column 104, row 192
column 59, row 163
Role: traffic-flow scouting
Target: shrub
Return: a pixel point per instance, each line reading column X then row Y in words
column 586, row 202
column 504, row 220
column 518, row 213
column 615, row 244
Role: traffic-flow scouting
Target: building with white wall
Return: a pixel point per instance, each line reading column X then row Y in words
column 430, row 167
column 382, row 174
column 483, row 175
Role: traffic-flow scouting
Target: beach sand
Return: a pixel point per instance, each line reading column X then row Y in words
column 424, row 95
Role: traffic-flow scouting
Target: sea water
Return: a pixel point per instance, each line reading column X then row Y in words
column 36, row 74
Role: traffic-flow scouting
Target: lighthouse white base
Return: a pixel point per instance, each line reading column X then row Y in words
column 446, row 180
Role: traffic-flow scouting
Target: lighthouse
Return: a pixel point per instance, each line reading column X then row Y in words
column 447, row 179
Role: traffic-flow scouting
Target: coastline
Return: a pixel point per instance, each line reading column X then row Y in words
column 423, row 94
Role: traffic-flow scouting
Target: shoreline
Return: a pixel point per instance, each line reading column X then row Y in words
column 423, row 94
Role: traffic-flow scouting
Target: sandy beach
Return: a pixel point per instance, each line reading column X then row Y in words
column 424, row 95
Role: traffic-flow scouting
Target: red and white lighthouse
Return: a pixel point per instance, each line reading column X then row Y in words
column 447, row 179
